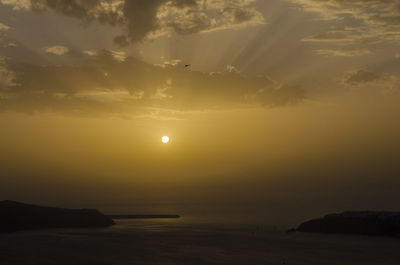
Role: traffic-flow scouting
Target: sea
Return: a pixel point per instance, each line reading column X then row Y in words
column 190, row 241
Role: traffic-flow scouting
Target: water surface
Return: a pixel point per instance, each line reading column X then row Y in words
column 186, row 242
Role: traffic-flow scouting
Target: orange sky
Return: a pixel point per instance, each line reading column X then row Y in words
column 285, row 102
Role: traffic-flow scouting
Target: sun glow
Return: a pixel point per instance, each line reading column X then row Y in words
column 165, row 139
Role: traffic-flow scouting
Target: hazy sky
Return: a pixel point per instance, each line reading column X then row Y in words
column 289, row 105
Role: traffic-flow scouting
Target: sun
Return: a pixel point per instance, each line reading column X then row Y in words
column 165, row 139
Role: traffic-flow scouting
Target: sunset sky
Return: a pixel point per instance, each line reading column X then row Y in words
column 285, row 105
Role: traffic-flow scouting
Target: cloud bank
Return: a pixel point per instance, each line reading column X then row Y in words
column 107, row 82
column 149, row 19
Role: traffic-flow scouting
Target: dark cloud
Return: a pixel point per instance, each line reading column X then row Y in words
column 152, row 18
column 362, row 76
column 75, row 8
column 104, row 81
column 196, row 22
column 141, row 18
column 374, row 83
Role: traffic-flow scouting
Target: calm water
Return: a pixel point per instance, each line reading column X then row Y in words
column 186, row 241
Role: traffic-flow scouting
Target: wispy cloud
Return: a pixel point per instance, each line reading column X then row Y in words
column 343, row 52
column 56, row 50
column 6, row 76
column 4, row 27
column 17, row 4
column 373, row 20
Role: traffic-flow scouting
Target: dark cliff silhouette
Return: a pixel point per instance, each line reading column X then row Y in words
column 15, row 216
column 362, row 223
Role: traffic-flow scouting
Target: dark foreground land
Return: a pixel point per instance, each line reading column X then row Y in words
column 15, row 216
column 183, row 242
column 370, row 223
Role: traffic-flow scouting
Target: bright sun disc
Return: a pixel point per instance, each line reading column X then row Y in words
column 165, row 139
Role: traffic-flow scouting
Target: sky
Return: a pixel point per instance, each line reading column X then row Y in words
column 284, row 107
